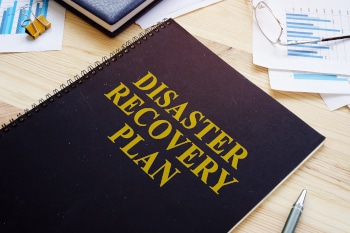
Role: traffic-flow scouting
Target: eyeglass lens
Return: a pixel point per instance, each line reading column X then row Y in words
column 267, row 22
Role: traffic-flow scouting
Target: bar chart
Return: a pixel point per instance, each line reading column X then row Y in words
column 306, row 24
column 320, row 77
column 14, row 13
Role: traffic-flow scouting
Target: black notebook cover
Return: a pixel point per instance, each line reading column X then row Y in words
column 162, row 137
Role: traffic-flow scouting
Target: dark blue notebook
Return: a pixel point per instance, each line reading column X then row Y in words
column 109, row 15
column 162, row 137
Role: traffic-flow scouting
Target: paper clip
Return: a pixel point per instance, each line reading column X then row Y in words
column 36, row 27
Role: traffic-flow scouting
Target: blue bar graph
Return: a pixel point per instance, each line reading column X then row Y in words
column 291, row 54
column 291, row 16
column 311, row 46
column 313, row 28
column 300, row 32
column 301, row 26
column 22, row 16
column 14, row 13
column 329, row 77
column 7, row 19
column 304, row 36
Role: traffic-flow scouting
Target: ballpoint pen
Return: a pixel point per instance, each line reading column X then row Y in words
column 295, row 213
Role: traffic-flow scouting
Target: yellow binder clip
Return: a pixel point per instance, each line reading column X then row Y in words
column 36, row 27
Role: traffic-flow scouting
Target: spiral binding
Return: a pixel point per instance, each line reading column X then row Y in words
column 85, row 75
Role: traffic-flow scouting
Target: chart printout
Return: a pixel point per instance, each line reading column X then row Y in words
column 15, row 15
column 307, row 20
column 285, row 80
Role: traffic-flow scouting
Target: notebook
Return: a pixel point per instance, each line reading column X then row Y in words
column 162, row 136
column 111, row 16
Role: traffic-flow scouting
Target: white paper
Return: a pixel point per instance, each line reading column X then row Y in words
column 327, row 19
column 171, row 9
column 51, row 39
column 309, row 82
column 334, row 101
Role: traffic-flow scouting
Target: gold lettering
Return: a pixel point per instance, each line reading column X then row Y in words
column 130, row 145
column 189, row 154
column 173, row 143
column 235, row 155
column 178, row 110
column 193, row 120
column 207, row 166
column 141, row 112
column 130, row 104
column 148, row 160
column 159, row 89
column 219, row 141
column 163, row 134
column 118, row 92
column 207, row 129
column 168, row 96
column 146, row 82
column 221, row 183
column 125, row 132
column 166, row 171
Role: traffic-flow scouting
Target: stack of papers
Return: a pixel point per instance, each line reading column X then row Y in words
column 322, row 67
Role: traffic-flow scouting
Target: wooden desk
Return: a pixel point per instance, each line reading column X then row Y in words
column 226, row 28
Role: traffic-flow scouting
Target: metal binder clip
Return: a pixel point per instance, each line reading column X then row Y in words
column 36, row 27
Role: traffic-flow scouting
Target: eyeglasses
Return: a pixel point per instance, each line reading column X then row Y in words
column 272, row 29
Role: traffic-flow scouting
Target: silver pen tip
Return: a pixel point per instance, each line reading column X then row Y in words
column 301, row 198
